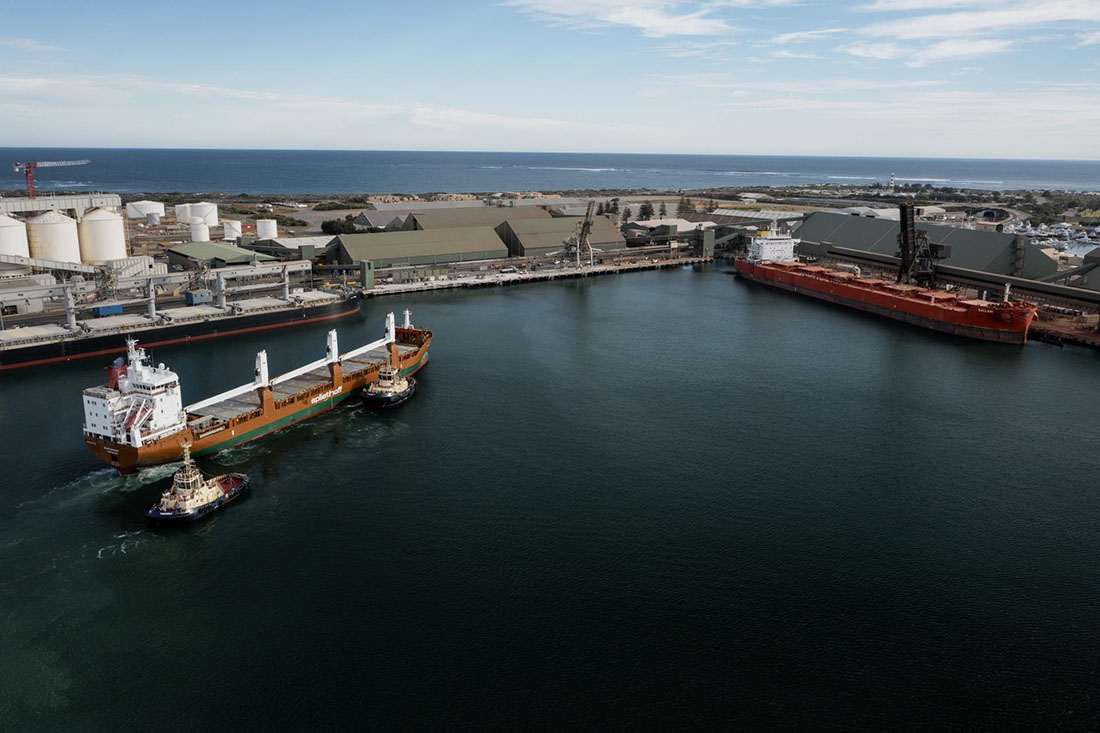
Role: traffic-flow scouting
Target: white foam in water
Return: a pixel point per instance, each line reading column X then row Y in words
column 561, row 168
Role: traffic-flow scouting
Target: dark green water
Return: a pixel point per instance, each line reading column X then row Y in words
column 661, row 499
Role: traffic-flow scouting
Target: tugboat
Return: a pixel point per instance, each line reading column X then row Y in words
column 193, row 497
column 390, row 390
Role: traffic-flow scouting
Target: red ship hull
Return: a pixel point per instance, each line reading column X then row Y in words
column 939, row 310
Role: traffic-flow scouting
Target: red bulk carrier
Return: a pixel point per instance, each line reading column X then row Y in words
column 771, row 261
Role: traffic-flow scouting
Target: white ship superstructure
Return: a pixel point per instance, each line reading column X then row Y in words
column 771, row 246
column 140, row 403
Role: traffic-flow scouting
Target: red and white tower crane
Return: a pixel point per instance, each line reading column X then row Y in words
column 28, row 169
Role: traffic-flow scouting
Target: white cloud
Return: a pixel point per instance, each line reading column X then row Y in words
column 950, row 50
column 865, row 50
column 28, row 45
column 1089, row 39
column 654, row 18
column 1019, row 15
column 696, row 49
column 784, row 54
column 807, row 87
column 897, row 5
column 102, row 97
column 802, row 36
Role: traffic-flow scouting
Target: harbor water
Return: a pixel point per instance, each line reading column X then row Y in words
column 669, row 498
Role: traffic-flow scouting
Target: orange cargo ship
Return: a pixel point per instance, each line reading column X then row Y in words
column 771, row 261
column 138, row 418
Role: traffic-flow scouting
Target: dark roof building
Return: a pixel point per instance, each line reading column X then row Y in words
column 1006, row 254
column 538, row 237
column 214, row 254
column 484, row 216
column 291, row 248
column 401, row 249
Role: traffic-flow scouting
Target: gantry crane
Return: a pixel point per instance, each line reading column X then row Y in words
column 28, row 169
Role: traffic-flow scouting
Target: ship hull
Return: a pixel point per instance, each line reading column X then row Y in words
column 115, row 343
column 127, row 458
column 1009, row 333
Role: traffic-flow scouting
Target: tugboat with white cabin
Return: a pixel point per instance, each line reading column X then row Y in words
column 391, row 388
column 192, row 496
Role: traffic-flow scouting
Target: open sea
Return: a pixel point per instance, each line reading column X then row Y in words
column 656, row 500
column 328, row 172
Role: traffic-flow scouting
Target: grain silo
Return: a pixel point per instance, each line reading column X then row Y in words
column 52, row 236
column 232, row 230
column 13, row 237
column 142, row 209
column 199, row 231
column 206, row 210
column 102, row 236
column 266, row 229
column 183, row 213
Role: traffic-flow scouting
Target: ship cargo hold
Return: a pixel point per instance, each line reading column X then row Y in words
column 138, row 418
column 771, row 261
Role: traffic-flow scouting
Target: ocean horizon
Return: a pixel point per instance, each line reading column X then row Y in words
column 321, row 172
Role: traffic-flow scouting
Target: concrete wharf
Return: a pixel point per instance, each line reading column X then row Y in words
column 494, row 278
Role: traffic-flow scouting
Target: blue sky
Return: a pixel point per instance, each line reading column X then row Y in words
column 997, row 78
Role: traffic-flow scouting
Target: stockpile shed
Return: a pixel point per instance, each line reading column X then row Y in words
column 403, row 249
column 538, row 237
column 485, row 216
column 389, row 221
column 291, row 248
column 1005, row 254
column 186, row 255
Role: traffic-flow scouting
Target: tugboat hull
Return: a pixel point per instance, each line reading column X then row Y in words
column 384, row 400
column 234, row 484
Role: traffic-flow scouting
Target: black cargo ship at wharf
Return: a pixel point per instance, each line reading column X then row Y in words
column 38, row 345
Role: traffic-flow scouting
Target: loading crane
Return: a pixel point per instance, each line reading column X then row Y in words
column 578, row 241
column 918, row 256
column 27, row 169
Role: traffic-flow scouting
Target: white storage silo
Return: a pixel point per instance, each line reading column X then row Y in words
column 13, row 237
column 141, row 209
column 232, row 230
column 183, row 213
column 266, row 229
column 152, row 219
column 199, row 231
column 52, row 236
column 102, row 236
column 208, row 212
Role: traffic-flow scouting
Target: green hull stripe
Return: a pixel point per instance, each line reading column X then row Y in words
column 282, row 422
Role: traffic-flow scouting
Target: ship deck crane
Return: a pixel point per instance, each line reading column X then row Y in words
column 27, row 169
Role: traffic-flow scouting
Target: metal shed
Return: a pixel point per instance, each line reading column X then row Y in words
column 485, row 216
column 537, row 237
column 213, row 253
column 398, row 249
column 1006, row 254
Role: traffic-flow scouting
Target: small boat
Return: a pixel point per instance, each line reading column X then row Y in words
column 390, row 389
column 192, row 496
